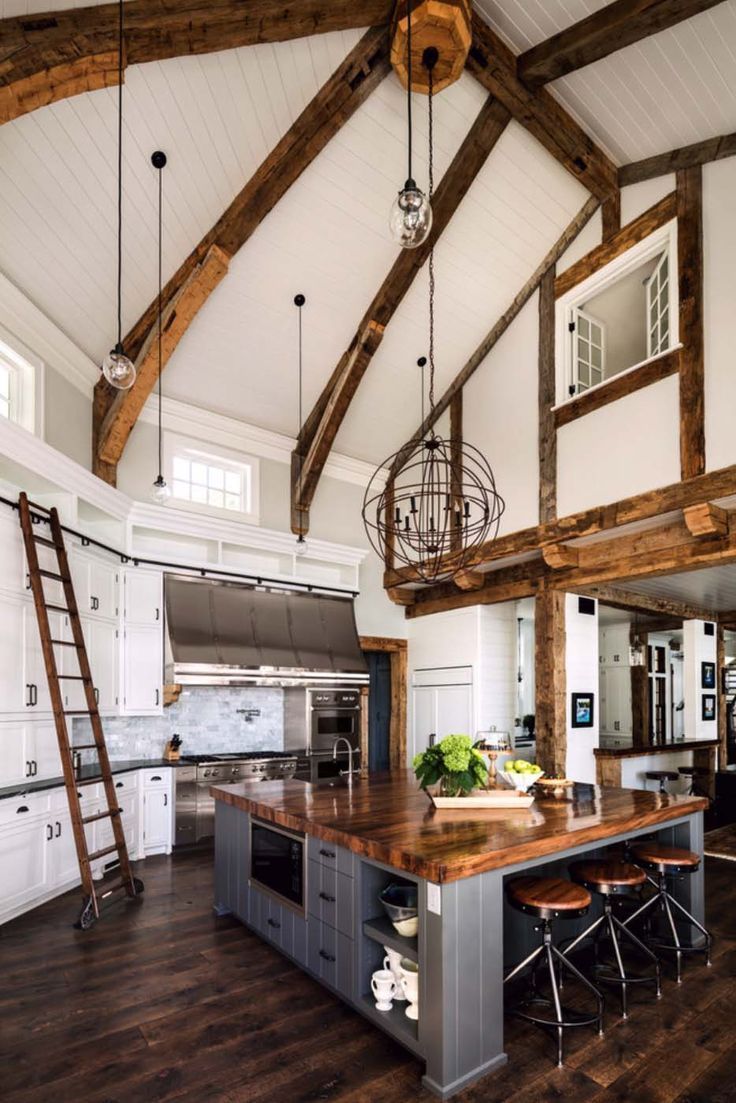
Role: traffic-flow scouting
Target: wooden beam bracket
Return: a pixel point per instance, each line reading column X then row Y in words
column 707, row 519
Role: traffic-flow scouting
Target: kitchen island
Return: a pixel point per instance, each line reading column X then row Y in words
column 355, row 841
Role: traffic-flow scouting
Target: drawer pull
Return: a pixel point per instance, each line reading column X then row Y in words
column 273, row 923
column 118, row 784
column 156, row 777
column 326, row 896
column 23, row 808
column 326, row 956
column 327, row 853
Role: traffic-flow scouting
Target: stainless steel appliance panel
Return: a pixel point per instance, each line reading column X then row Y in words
column 278, row 863
column 185, row 823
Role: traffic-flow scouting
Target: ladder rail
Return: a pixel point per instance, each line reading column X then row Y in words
column 27, row 512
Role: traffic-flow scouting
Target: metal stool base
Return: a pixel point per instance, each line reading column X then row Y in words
column 665, row 901
column 564, row 1018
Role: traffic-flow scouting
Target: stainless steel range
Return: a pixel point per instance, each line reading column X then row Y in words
column 195, row 808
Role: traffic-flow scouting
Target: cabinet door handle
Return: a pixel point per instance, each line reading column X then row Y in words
column 49, row 832
column 326, row 956
column 328, row 853
column 273, row 923
column 58, row 829
column 157, row 697
column 29, row 695
column 158, row 614
column 34, row 767
column 28, row 769
column 34, row 693
column 23, row 808
column 166, row 799
column 326, row 896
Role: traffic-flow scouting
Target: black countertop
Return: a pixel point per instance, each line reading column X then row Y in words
column 120, row 766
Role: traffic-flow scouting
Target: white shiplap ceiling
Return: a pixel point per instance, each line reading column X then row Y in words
column 218, row 115
column 713, row 588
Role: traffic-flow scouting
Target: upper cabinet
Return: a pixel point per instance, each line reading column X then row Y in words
column 143, row 597
column 96, row 585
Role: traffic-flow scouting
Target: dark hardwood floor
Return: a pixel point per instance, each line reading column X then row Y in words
column 162, row 1001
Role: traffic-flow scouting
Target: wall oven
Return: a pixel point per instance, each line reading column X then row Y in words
column 278, row 863
column 332, row 713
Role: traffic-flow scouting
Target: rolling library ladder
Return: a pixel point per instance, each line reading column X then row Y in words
column 31, row 515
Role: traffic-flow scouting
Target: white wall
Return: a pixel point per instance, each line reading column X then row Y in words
column 581, row 664
column 697, row 648
column 500, row 417
column 634, row 770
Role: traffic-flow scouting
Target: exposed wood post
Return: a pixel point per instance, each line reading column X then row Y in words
column 389, row 558
column 547, row 381
column 690, row 268
column 549, row 662
column 639, row 695
column 722, row 717
column 611, row 214
column 456, row 442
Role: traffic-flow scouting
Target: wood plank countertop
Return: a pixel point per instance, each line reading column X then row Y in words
column 388, row 818
column 665, row 748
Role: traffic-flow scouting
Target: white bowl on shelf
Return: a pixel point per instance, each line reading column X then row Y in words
column 523, row 782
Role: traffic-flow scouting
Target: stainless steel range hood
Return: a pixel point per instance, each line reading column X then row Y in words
column 228, row 634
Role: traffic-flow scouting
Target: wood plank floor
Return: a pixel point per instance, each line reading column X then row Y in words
column 162, row 1001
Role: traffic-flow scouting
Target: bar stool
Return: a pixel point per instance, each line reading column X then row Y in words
column 609, row 879
column 667, row 861
column 662, row 776
column 696, row 775
column 549, row 898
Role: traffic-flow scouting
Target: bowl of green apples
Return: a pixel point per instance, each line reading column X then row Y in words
column 520, row 774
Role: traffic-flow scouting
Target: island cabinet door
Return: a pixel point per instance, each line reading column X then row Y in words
column 331, row 856
column 331, row 957
column 279, row 924
column 331, row 897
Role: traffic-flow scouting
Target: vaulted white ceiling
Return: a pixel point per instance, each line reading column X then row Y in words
column 218, row 115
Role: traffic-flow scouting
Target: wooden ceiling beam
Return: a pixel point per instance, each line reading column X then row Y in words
column 320, row 429
column 700, row 153
column 618, row 597
column 359, row 74
column 46, row 57
column 494, row 65
column 602, row 33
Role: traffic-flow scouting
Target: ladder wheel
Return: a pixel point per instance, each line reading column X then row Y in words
column 137, row 885
column 87, row 917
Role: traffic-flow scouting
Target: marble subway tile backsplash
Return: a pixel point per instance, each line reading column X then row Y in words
column 209, row 720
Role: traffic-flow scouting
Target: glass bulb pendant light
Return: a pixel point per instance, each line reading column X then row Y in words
column 117, row 368
column 302, row 547
column 160, row 492
column 410, row 218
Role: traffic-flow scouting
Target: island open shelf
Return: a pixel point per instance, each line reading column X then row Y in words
column 381, row 930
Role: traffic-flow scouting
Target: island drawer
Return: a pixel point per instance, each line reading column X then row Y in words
column 330, row 896
column 331, row 856
column 331, row 957
column 279, row 924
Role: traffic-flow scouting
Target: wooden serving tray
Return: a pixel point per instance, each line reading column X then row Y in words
column 493, row 798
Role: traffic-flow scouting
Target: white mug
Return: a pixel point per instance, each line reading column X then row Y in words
column 392, row 962
column 383, row 986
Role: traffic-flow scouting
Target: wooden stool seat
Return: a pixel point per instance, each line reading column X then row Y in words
column 693, row 771
column 548, row 896
column 607, row 876
column 662, row 775
column 664, row 857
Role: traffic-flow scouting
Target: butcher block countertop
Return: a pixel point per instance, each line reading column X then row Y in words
column 388, row 818
column 661, row 748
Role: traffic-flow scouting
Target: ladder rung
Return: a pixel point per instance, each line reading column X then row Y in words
column 88, row 780
column 66, row 643
column 84, row 747
column 107, row 890
column 54, row 574
column 35, row 505
column 56, row 608
column 77, row 712
column 44, row 540
column 73, row 677
column 101, row 853
column 101, row 815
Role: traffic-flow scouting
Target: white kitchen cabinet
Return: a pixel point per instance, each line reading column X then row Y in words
column 28, row 751
column 616, row 715
column 96, row 584
column 157, row 815
column 42, row 746
column 103, row 644
column 15, row 765
column 35, row 679
column 12, row 557
column 142, row 670
column 62, row 862
column 23, row 862
column 143, row 597
column 12, row 693
column 441, row 709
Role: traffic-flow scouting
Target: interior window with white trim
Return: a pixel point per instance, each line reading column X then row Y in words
column 17, row 387
column 5, row 382
column 205, row 481
column 620, row 317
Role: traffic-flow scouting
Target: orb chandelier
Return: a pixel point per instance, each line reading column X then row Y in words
column 440, row 502
column 117, row 368
column 410, row 218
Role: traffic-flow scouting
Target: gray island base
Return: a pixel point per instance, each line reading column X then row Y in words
column 466, row 938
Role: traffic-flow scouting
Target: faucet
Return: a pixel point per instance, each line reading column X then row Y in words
column 351, row 750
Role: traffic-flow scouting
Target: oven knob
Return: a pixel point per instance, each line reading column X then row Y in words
column 206, row 773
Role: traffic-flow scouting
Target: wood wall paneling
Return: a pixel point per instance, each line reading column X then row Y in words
column 692, row 367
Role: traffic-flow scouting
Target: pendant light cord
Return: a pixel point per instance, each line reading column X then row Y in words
column 431, row 252
column 160, row 310
column 408, row 83
column 120, row 173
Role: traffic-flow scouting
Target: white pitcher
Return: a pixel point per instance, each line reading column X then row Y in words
column 392, row 962
column 383, row 986
column 410, row 987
